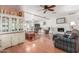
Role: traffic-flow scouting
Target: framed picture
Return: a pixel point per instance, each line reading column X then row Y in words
column 60, row 20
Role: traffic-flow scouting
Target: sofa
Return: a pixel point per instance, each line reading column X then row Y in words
column 68, row 43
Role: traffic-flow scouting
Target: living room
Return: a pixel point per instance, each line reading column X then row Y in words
column 62, row 21
column 42, row 29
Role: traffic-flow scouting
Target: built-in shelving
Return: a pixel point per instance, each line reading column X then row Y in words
column 10, row 23
column 11, row 27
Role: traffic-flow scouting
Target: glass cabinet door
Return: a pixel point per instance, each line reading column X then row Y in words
column 0, row 24
column 20, row 24
column 5, row 24
column 14, row 24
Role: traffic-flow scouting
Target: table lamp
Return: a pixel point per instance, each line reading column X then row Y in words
column 72, row 24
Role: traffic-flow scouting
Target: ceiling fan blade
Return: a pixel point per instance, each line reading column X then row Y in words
column 51, row 6
column 45, row 11
column 50, row 9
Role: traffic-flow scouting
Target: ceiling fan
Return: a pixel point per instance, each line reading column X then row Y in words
column 48, row 8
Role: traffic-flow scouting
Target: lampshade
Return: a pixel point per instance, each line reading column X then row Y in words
column 72, row 23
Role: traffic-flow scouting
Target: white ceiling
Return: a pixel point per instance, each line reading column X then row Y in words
column 36, row 9
column 59, row 9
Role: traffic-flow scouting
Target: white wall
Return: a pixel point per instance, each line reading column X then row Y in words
column 69, row 18
column 51, row 22
column 75, row 18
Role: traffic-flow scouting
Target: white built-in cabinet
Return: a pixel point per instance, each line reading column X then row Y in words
column 5, row 41
column 11, row 31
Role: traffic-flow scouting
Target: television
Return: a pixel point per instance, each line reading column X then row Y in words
column 60, row 29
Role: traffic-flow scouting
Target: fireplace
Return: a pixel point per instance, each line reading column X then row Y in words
column 60, row 29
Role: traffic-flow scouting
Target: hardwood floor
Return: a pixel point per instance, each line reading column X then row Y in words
column 42, row 44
